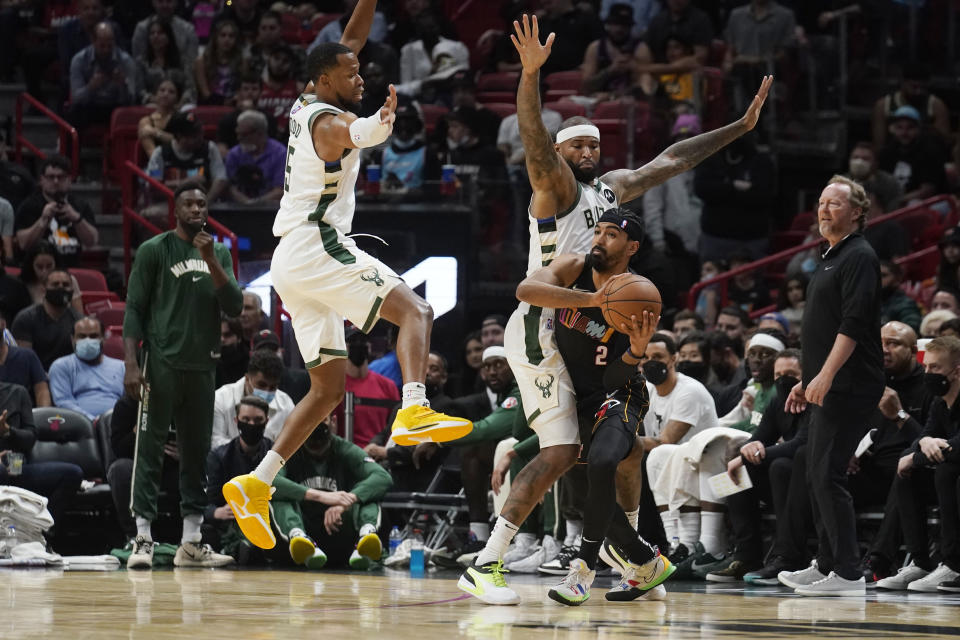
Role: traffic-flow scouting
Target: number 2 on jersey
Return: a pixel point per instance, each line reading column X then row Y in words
column 601, row 359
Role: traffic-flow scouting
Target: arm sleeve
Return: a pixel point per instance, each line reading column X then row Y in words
column 495, row 427
column 139, row 292
column 373, row 480
column 229, row 295
column 789, row 448
column 528, row 447
column 938, row 418
column 61, row 390
column 858, row 289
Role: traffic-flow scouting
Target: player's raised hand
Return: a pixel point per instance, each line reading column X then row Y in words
column 389, row 108
column 527, row 41
column 752, row 115
column 203, row 241
column 640, row 331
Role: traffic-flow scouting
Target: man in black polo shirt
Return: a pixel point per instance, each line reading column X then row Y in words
column 842, row 381
column 47, row 327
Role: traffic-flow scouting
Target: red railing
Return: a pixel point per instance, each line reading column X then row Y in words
column 64, row 130
column 724, row 278
column 131, row 173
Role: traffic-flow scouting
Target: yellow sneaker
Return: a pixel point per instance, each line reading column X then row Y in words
column 302, row 547
column 370, row 547
column 249, row 498
column 417, row 424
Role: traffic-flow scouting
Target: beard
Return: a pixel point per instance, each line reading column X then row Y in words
column 600, row 259
column 348, row 103
column 582, row 175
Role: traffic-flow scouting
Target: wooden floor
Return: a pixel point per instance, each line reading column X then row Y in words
column 289, row 605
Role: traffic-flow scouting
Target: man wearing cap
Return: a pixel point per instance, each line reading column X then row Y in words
column 774, row 321
column 262, row 380
column 608, row 69
column 914, row 158
column 188, row 158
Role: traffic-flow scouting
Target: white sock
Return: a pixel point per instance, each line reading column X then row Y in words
column 143, row 528
column 481, row 530
column 367, row 529
column 503, row 533
column 633, row 517
column 670, row 525
column 296, row 533
column 689, row 529
column 191, row 528
column 269, row 467
column 414, row 393
column 574, row 531
column 711, row 532
column 526, row 539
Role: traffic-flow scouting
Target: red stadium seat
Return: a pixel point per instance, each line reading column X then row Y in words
column 122, row 143
column 94, row 308
column 918, row 224
column 13, row 272
column 496, row 96
column 566, row 108
column 563, row 83
column 502, row 109
column 500, row 81
column 209, row 116
column 110, row 317
column 611, row 109
column 431, row 115
column 613, row 136
column 717, row 52
column 89, row 279
column 113, row 344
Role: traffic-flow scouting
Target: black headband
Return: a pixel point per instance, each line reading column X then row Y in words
column 628, row 225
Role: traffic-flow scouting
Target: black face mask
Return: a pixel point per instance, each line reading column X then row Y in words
column 251, row 433
column 655, row 372
column 59, row 297
column 358, row 353
column 696, row 370
column 886, row 292
column 785, row 385
column 723, row 370
column 936, row 383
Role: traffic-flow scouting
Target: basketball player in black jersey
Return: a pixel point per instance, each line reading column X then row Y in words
column 611, row 400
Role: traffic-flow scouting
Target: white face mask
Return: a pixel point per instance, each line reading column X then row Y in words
column 859, row 168
column 248, row 148
column 452, row 144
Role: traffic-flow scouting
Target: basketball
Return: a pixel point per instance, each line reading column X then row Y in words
column 626, row 296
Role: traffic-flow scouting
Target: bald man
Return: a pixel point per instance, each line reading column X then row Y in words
column 102, row 77
column 904, row 408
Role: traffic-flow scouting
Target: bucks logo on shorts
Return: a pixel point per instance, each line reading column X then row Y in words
column 544, row 383
column 372, row 276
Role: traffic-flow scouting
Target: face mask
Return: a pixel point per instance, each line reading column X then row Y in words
column 88, row 349
column 231, row 352
column 785, row 385
column 696, row 370
column 357, row 353
column 59, row 297
column 936, row 383
column 266, row 396
column 452, row 144
column 251, row 433
column 859, row 168
column 655, row 372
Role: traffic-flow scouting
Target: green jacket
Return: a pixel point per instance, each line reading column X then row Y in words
column 760, row 402
column 499, row 424
column 902, row 308
column 172, row 305
column 346, row 468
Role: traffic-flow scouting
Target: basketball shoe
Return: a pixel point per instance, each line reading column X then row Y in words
column 486, row 583
column 417, row 424
column 638, row 581
column 369, row 545
column 249, row 498
column 574, row 590
column 194, row 554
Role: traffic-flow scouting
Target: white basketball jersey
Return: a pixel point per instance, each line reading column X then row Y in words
column 315, row 191
column 570, row 231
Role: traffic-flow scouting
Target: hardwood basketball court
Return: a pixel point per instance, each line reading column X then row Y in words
column 288, row 605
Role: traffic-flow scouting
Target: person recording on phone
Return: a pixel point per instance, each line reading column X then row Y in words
column 52, row 214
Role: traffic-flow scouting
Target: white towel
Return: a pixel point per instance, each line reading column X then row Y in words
column 679, row 479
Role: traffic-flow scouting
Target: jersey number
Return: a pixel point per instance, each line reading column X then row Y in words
column 590, row 216
column 601, row 359
column 286, row 173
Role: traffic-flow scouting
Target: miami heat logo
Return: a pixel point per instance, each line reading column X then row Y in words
column 55, row 422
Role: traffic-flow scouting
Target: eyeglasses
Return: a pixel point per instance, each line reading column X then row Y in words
column 56, row 177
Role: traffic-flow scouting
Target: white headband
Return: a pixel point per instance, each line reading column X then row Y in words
column 766, row 340
column 576, row 131
column 494, row 352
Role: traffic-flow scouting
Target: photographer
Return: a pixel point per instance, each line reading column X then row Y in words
column 51, row 214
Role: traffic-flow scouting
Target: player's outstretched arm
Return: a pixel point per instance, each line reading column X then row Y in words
column 358, row 28
column 686, row 154
column 333, row 133
column 547, row 287
column 554, row 187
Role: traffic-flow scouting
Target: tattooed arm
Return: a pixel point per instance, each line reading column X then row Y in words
column 554, row 187
column 686, row 154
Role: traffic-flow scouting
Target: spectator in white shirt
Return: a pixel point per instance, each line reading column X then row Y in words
column 262, row 379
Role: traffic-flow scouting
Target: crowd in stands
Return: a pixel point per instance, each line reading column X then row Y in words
column 725, row 360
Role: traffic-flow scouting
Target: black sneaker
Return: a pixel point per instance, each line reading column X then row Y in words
column 875, row 569
column 950, row 586
column 560, row 566
column 768, row 574
column 469, row 551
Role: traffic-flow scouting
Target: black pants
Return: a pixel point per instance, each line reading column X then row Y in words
column 835, row 430
column 58, row 482
column 872, row 486
column 789, row 478
column 744, row 509
column 914, row 494
column 120, row 478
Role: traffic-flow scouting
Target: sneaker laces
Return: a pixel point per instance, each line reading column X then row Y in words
column 496, row 574
column 576, row 576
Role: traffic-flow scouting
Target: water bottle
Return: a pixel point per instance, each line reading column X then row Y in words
column 674, row 544
column 416, row 554
column 395, row 539
column 9, row 540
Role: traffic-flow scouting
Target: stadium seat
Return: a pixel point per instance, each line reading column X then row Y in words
column 566, row 108
column 113, row 344
column 320, row 20
column 431, row 116
column 613, row 133
column 209, row 116
column 918, row 224
column 13, row 272
column 783, row 240
column 502, row 109
column 563, row 83
column 101, row 427
column 610, row 109
column 89, row 279
column 90, row 297
column 95, row 307
column 123, row 142
column 111, row 317
column 496, row 96
column 499, row 81
column 64, row 435
column 717, row 52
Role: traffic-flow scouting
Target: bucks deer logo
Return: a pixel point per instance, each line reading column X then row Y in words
column 374, row 277
column 544, row 383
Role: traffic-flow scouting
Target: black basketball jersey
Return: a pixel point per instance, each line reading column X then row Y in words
column 586, row 343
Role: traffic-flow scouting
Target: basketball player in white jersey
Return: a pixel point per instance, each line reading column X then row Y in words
column 322, row 277
column 568, row 200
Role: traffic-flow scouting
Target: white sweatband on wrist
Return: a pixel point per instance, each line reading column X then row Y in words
column 369, row 132
column 577, row 131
